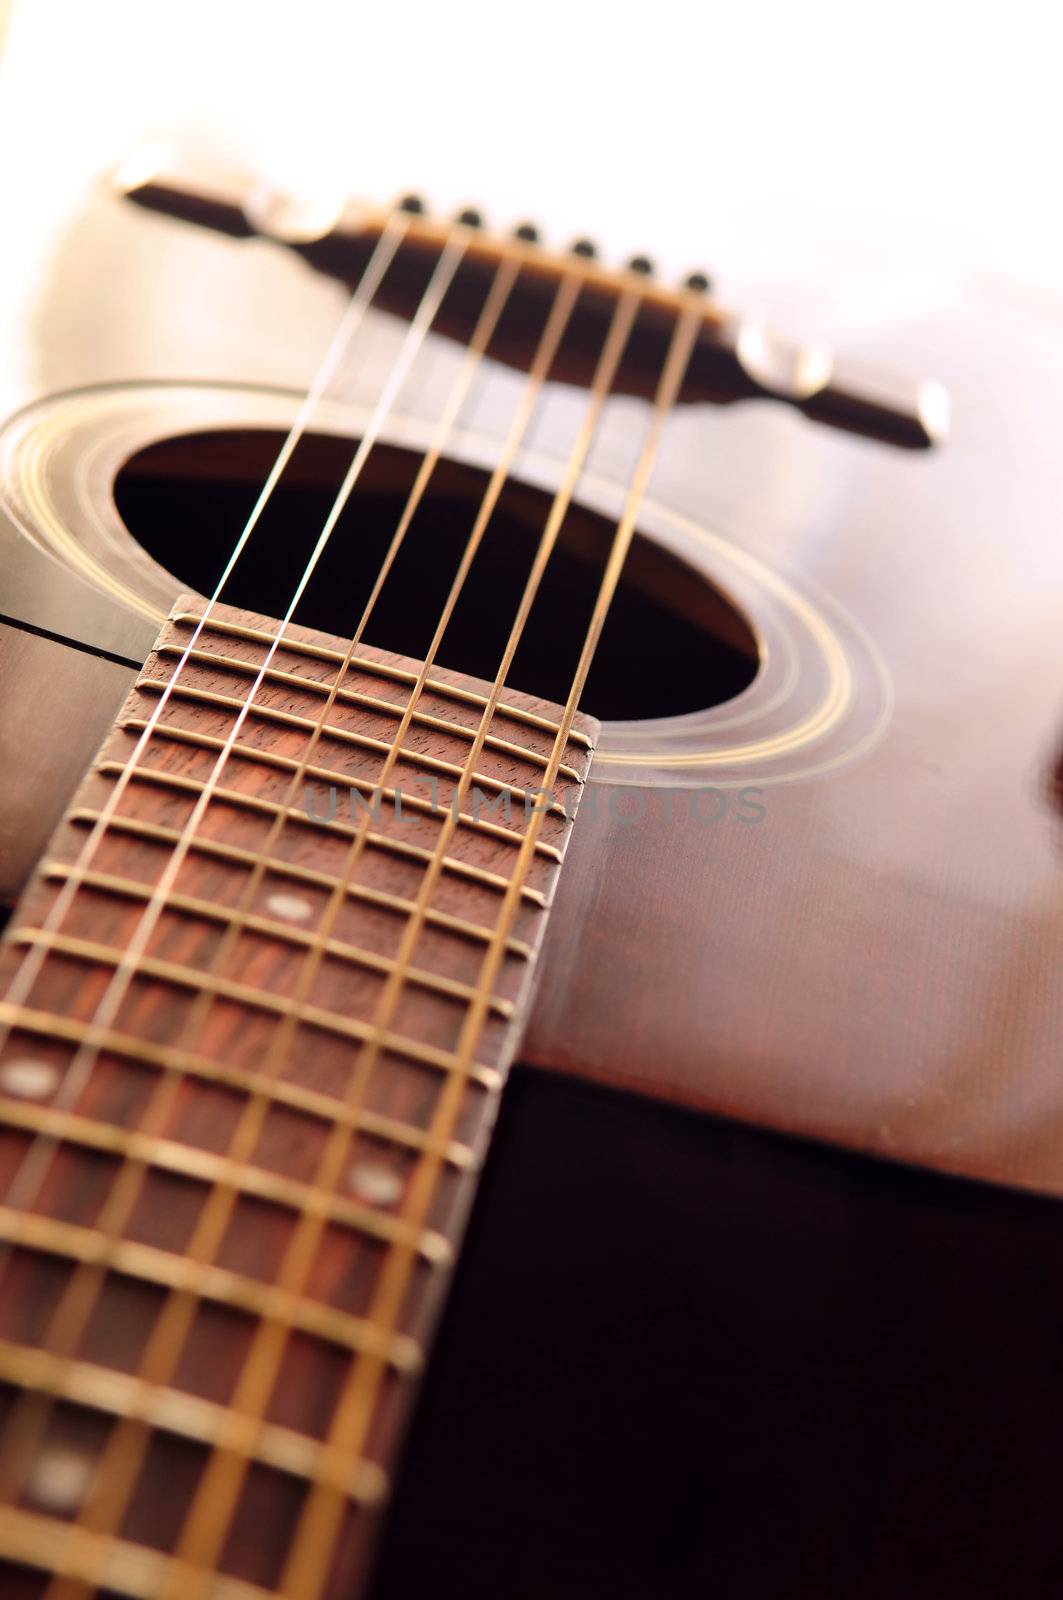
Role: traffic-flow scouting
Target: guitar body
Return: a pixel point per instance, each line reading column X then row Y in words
column 759, row 1294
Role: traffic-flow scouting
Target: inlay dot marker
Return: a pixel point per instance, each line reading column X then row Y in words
column 375, row 1183
column 29, row 1078
column 59, row 1479
column 292, row 907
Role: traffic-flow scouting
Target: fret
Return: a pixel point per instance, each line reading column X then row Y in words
column 360, row 741
column 236, row 855
column 341, row 780
column 188, row 1161
column 355, row 697
column 212, row 911
column 216, row 623
column 281, row 1091
column 103, row 1561
column 246, row 994
column 231, row 1192
column 165, row 1270
column 167, row 1410
column 378, row 841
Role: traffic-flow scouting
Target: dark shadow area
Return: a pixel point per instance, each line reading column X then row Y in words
column 687, row 1359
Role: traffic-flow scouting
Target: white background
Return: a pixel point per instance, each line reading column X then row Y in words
column 762, row 141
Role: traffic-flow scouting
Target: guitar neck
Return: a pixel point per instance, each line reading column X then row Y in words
column 261, row 1000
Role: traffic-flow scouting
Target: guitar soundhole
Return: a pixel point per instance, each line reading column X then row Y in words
column 672, row 643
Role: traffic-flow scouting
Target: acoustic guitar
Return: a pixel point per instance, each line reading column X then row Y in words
column 576, row 750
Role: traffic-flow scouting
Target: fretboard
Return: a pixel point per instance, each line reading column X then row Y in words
column 257, row 1020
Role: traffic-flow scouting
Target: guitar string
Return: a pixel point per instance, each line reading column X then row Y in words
column 34, row 1164
column 504, row 278
column 541, row 364
column 219, row 1485
column 107, row 1007
column 118, row 1465
column 626, row 311
column 556, row 332
column 30, row 1173
column 25, row 975
column 312, row 1546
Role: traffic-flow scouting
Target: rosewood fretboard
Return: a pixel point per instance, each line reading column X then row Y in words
column 233, row 1192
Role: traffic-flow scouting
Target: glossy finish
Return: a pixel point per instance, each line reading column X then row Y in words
column 831, row 906
column 877, row 961
column 36, row 772
column 880, row 961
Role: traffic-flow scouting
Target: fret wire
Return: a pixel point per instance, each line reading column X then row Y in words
column 382, row 670
column 205, row 1166
column 322, row 1479
column 165, row 1269
column 288, row 1010
column 240, row 856
column 175, row 1411
column 219, row 1486
column 247, row 1126
column 214, row 911
column 29, row 1171
column 312, row 1549
column 281, row 1090
column 362, row 741
column 271, row 808
column 355, row 697
column 210, row 1518
column 342, row 780
column 443, row 272
column 377, row 265
column 97, row 1560
column 70, row 1316
column 508, row 892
